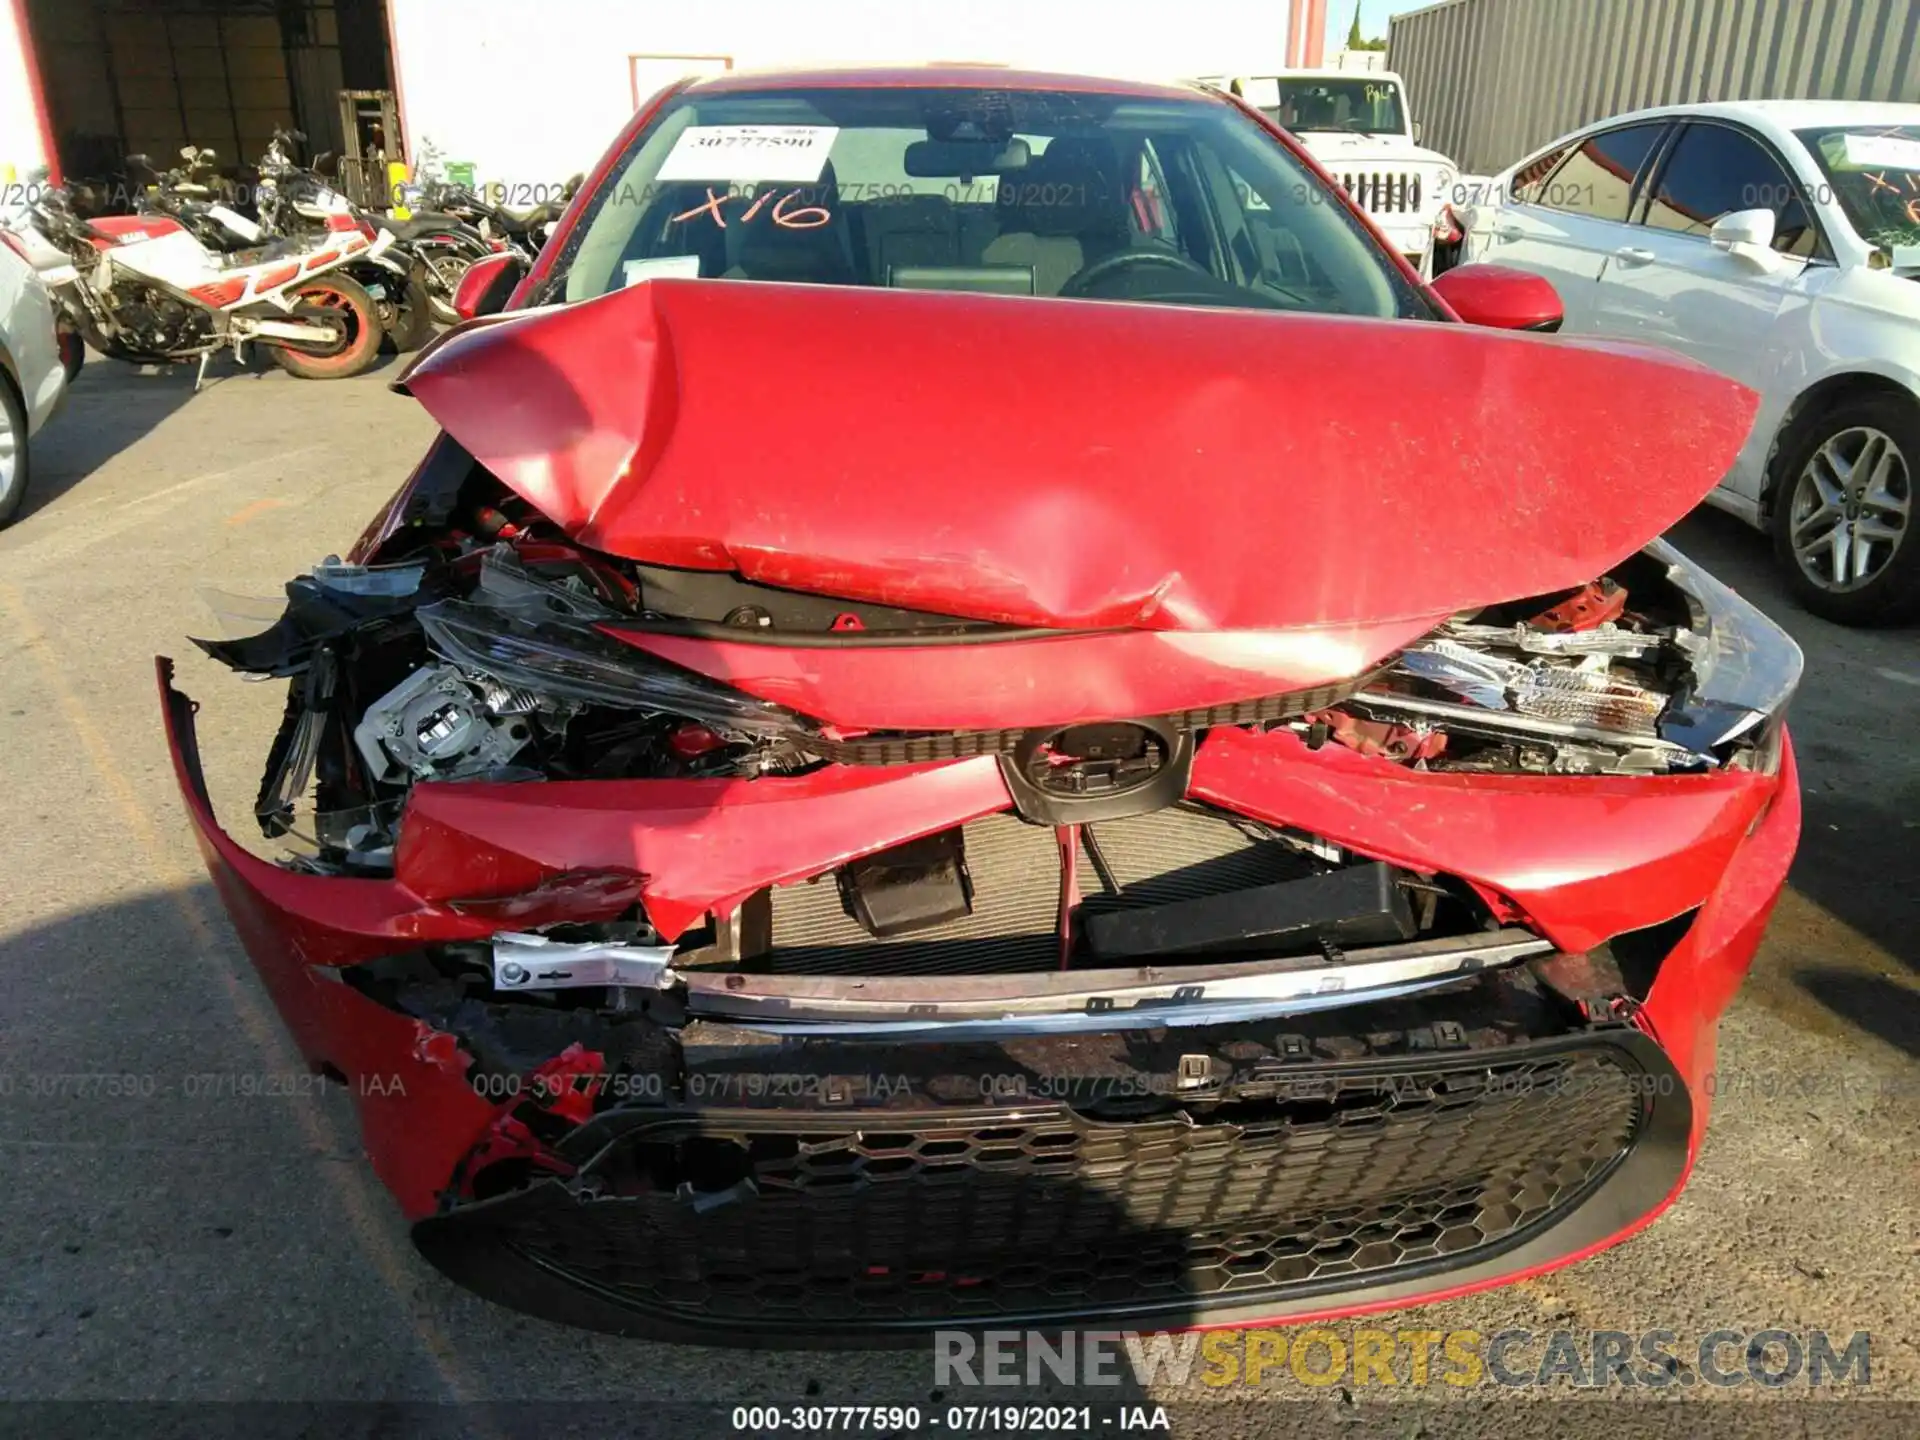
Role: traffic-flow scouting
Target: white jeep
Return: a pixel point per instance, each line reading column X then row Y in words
column 1359, row 125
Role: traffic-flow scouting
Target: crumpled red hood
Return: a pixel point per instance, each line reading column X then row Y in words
column 1078, row 464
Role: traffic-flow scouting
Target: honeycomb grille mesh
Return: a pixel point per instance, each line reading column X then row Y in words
column 825, row 1223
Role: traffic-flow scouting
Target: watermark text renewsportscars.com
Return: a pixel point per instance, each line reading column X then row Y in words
column 1359, row 1357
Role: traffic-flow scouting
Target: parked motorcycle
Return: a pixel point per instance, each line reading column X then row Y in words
column 142, row 288
column 294, row 201
column 475, row 226
column 291, row 204
column 447, row 246
column 437, row 249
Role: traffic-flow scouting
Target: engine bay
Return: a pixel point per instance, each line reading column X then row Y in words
column 482, row 644
column 479, row 644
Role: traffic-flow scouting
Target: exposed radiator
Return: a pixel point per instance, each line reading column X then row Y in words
column 1180, row 853
column 1014, row 924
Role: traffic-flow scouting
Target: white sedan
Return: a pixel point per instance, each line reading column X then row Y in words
column 1778, row 242
column 33, row 378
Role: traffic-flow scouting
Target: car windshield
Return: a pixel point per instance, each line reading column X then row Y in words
column 1353, row 106
column 1875, row 174
column 1007, row 192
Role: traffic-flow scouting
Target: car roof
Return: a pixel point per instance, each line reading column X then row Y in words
column 946, row 75
column 1323, row 72
column 1777, row 114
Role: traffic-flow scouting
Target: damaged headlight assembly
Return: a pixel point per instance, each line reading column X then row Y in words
column 1700, row 680
column 510, row 681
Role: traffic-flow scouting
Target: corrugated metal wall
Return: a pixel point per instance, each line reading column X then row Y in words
column 1491, row 79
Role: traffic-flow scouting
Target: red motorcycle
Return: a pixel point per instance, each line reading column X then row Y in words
column 142, row 288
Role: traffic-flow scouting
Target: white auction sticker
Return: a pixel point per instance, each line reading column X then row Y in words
column 750, row 152
column 1894, row 150
column 660, row 267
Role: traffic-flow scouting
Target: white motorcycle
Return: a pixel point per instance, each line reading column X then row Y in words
column 142, row 288
column 293, row 203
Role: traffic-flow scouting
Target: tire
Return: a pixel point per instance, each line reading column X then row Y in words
column 73, row 354
column 407, row 317
column 334, row 297
column 446, row 256
column 14, row 447
column 1817, row 496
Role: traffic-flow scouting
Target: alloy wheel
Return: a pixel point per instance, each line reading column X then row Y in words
column 1850, row 509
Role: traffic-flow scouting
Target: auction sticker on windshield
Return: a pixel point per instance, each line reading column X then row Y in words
column 750, row 152
column 669, row 267
column 1894, row 150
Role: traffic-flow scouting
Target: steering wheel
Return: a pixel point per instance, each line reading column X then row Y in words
column 1084, row 280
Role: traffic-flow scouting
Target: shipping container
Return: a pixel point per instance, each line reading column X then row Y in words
column 1496, row 78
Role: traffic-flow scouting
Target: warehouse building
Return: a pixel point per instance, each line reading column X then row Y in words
column 517, row 91
column 524, row 103
column 84, row 83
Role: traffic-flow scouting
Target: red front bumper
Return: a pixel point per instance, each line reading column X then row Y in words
column 1578, row 859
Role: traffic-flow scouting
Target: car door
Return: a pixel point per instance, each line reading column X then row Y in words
column 1667, row 284
column 28, row 337
column 1563, row 224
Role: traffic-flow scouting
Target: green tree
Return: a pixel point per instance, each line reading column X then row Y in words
column 1355, row 40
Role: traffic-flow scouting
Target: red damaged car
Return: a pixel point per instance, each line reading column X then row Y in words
column 985, row 713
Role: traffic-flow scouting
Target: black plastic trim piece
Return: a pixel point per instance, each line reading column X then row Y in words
column 1355, row 905
column 914, row 747
column 1167, row 786
column 956, row 632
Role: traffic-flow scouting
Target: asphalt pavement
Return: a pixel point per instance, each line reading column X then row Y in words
column 204, row 1228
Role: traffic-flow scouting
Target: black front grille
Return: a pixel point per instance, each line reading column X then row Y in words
column 1383, row 192
column 1350, row 1178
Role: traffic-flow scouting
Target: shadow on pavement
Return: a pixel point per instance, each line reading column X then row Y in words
column 1875, row 1004
column 109, row 408
column 114, row 405
column 175, row 1231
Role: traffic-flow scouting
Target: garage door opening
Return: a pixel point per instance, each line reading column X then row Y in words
column 124, row 77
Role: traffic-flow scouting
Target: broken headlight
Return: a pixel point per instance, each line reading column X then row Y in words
column 1744, row 668
column 571, row 660
column 1692, row 678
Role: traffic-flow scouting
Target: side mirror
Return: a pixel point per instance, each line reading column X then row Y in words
column 1419, row 128
column 1501, row 298
column 488, row 285
column 1746, row 235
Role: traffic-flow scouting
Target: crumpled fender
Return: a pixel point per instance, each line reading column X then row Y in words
column 1082, row 464
column 1584, row 857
